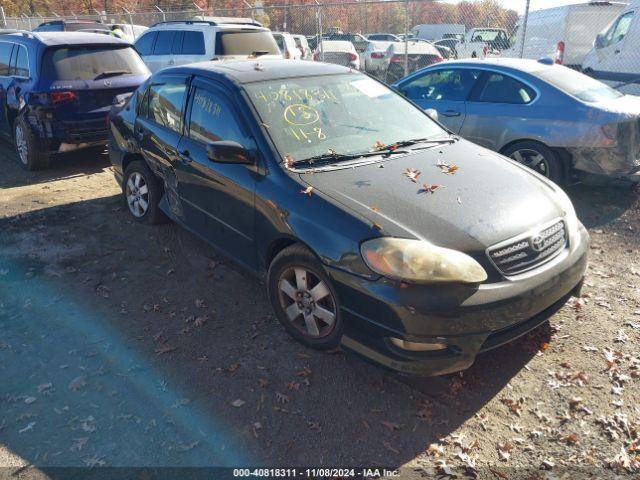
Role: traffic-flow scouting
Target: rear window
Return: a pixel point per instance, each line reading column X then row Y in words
column 578, row 85
column 74, row 27
column 193, row 43
column 164, row 42
column 246, row 43
column 91, row 63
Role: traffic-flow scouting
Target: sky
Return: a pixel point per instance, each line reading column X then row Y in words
column 520, row 5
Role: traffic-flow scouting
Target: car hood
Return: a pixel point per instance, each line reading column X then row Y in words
column 489, row 199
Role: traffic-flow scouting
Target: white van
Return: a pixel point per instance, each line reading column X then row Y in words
column 565, row 33
column 615, row 57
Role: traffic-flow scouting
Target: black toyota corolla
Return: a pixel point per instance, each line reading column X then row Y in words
column 376, row 229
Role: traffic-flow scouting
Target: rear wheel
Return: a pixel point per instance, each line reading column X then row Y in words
column 539, row 158
column 304, row 299
column 30, row 155
column 142, row 192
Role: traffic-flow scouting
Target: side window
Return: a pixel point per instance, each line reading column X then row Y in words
column 164, row 42
column 447, row 85
column 177, row 43
column 144, row 44
column 5, row 57
column 193, row 43
column 211, row 119
column 619, row 30
column 504, row 89
column 20, row 62
column 165, row 102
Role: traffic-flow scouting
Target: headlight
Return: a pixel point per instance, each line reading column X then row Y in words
column 569, row 212
column 420, row 262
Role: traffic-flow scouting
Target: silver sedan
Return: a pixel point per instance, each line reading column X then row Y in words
column 548, row 117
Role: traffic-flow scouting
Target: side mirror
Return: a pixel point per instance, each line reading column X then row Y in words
column 599, row 43
column 433, row 113
column 228, row 152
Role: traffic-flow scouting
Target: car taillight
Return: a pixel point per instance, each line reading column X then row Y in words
column 353, row 57
column 397, row 58
column 438, row 60
column 560, row 53
column 485, row 50
column 287, row 54
column 316, row 56
column 62, row 97
column 377, row 55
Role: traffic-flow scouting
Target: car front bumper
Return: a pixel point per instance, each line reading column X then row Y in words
column 467, row 320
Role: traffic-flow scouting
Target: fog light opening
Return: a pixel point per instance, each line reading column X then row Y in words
column 418, row 347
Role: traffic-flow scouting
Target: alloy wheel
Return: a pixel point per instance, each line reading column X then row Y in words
column 21, row 144
column 307, row 302
column 137, row 193
column 533, row 160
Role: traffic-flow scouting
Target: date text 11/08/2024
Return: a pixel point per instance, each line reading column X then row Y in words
column 316, row 473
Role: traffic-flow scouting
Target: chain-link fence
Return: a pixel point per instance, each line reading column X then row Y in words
column 406, row 28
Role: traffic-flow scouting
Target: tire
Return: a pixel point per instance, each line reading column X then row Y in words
column 307, row 304
column 28, row 149
column 143, row 203
column 539, row 158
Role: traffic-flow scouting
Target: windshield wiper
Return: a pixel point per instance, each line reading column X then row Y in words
column 111, row 73
column 259, row 53
column 409, row 143
column 342, row 157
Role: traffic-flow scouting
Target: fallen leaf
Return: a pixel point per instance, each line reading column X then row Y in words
column 166, row 348
column 200, row 303
column 77, row 383
column 282, row 398
column 238, row 403
column 390, row 425
column 390, row 447
column 426, row 188
column 307, row 191
column 412, row 174
column 504, row 450
column 315, row 426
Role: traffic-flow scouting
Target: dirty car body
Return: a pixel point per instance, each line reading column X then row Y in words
column 307, row 185
column 591, row 127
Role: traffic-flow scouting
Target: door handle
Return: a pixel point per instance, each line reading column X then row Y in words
column 616, row 51
column 451, row 113
column 185, row 158
column 140, row 134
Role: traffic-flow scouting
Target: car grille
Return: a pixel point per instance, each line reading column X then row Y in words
column 529, row 251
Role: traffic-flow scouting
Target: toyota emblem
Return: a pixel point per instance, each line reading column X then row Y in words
column 107, row 83
column 537, row 243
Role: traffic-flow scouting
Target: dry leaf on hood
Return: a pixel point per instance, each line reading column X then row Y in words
column 307, row 191
column 412, row 174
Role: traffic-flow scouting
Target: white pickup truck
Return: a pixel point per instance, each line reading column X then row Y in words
column 483, row 42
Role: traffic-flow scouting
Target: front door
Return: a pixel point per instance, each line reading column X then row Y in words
column 158, row 130
column 220, row 196
column 445, row 90
column 617, row 51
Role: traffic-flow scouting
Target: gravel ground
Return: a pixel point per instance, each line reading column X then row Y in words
column 127, row 345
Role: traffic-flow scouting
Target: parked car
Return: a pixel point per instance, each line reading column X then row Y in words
column 421, row 54
column 615, row 57
column 450, row 44
column 337, row 52
column 373, row 59
column 303, row 46
column 564, row 33
column 359, row 42
column 187, row 41
column 56, row 89
column 548, row 117
column 287, row 46
column 483, row 42
column 438, row 31
column 353, row 254
column 382, row 37
column 69, row 25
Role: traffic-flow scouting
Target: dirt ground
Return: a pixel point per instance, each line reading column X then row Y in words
column 127, row 345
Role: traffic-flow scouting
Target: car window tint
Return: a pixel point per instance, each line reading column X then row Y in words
column 447, row 85
column 578, row 84
column 177, row 43
column 245, row 43
column 164, row 42
column 165, row 104
column 619, row 30
column 89, row 63
column 504, row 89
column 5, row 57
column 55, row 27
column 144, row 44
column 193, row 43
column 280, row 41
column 211, row 119
column 21, row 62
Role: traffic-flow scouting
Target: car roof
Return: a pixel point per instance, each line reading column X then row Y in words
column 242, row 71
column 336, row 45
column 52, row 39
column 520, row 64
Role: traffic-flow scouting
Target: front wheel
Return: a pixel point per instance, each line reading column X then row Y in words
column 30, row 155
column 538, row 157
column 303, row 298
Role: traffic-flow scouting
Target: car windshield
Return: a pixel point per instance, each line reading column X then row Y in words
column 91, row 63
column 485, row 35
column 342, row 114
column 579, row 85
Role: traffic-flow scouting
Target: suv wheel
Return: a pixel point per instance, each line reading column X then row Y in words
column 304, row 299
column 142, row 192
column 30, row 156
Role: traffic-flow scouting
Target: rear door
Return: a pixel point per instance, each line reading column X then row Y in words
column 162, row 55
column 497, row 104
column 189, row 47
column 158, row 129
column 445, row 90
column 144, row 47
column 6, row 49
column 218, row 197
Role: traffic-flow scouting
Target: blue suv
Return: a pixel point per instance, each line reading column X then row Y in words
column 56, row 89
